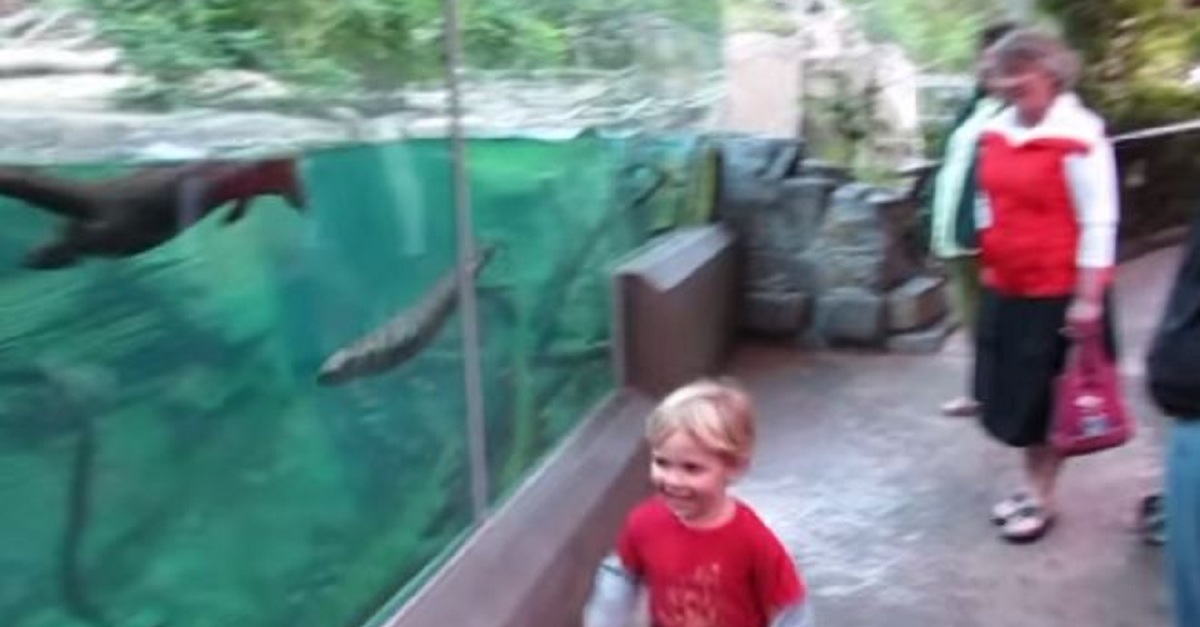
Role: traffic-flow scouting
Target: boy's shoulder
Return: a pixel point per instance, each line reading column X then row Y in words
column 649, row 512
column 753, row 523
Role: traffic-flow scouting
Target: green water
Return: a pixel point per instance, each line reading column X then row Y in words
column 224, row 486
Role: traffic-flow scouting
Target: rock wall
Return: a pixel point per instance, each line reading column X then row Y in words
column 827, row 261
column 764, row 84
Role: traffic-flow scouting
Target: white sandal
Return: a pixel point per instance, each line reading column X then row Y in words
column 1011, row 506
column 962, row 407
column 1029, row 524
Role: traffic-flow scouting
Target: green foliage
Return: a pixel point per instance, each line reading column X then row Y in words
column 327, row 46
column 1136, row 54
column 310, row 42
column 1146, row 103
column 497, row 37
column 854, row 114
column 1135, row 57
column 844, row 120
column 937, row 33
column 759, row 15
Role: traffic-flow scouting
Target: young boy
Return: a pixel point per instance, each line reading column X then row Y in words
column 704, row 558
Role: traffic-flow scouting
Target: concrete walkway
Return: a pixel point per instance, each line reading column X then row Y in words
column 884, row 502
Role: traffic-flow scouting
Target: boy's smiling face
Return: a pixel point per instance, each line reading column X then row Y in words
column 691, row 479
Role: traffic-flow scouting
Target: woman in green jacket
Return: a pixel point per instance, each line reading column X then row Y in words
column 952, row 210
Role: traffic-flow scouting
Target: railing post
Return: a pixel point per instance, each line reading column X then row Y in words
column 472, row 363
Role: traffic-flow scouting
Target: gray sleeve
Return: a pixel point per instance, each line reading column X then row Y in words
column 799, row 615
column 614, row 595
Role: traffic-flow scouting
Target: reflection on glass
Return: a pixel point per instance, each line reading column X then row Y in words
column 230, row 356
column 587, row 122
column 167, row 455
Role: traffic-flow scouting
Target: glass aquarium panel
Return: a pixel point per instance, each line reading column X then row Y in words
column 587, row 123
column 216, row 412
column 191, row 432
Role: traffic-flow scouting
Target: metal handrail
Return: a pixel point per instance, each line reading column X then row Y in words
column 1166, row 130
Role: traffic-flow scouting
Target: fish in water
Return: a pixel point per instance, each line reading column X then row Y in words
column 127, row 215
column 402, row 337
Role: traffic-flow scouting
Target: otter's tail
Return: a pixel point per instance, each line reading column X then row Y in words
column 56, row 195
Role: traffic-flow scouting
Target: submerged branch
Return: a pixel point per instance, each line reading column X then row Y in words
column 72, row 581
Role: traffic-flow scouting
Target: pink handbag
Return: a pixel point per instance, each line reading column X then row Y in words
column 1089, row 411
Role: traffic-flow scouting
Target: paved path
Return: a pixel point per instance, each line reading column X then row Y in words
column 885, row 502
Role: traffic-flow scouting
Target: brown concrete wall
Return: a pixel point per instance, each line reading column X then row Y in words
column 676, row 309
column 531, row 564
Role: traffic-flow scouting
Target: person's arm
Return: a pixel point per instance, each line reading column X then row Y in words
column 926, row 181
column 1092, row 178
column 799, row 615
column 781, row 590
column 614, row 595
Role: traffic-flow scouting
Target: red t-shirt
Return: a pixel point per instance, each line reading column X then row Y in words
column 736, row 575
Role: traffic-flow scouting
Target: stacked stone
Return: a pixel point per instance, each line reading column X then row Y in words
column 827, row 261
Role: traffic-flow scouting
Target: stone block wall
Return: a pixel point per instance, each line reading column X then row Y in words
column 827, row 260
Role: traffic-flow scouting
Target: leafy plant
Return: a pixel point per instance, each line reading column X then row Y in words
column 759, row 15
column 845, row 120
column 1136, row 54
column 937, row 33
column 369, row 44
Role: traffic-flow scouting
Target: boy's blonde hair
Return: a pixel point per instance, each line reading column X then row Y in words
column 718, row 414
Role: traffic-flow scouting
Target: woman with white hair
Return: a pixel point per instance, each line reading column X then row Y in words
column 1047, row 233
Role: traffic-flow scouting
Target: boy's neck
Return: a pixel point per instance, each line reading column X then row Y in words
column 719, row 516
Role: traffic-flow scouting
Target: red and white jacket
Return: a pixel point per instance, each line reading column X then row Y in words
column 1049, row 201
